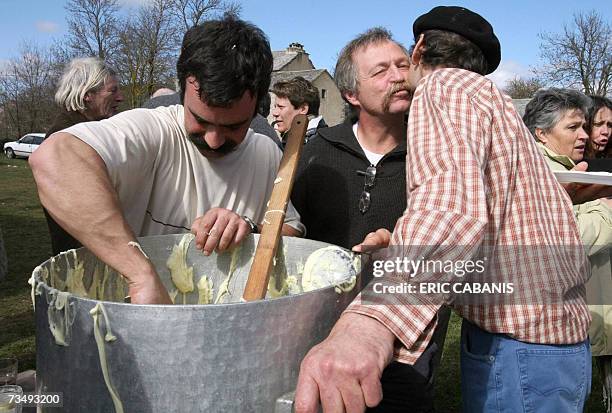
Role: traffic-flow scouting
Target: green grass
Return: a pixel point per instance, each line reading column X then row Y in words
column 27, row 244
column 26, row 239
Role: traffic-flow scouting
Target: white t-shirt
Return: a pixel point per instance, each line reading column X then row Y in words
column 164, row 182
column 373, row 157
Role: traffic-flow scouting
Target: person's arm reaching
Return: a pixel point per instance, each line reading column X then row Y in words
column 220, row 229
column 445, row 218
column 581, row 193
column 344, row 371
column 74, row 186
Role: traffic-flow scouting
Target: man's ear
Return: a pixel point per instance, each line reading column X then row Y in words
column 303, row 109
column 351, row 97
column 87, row 97
column 419, row 47
column 541, row 135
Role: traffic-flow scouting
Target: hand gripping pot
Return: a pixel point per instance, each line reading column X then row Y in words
column 105, row 355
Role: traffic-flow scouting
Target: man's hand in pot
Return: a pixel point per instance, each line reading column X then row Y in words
column 219, row 229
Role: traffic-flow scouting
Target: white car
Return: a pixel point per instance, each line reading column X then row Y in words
column 24, row 146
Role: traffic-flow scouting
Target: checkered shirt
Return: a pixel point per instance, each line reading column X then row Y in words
column 475, row 178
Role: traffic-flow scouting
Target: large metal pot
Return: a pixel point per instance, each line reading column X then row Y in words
column 235, row 357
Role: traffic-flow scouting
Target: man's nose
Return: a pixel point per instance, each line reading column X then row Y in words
column 213, row 138
column 582, row 135
column 119, row 97
column 395, row 74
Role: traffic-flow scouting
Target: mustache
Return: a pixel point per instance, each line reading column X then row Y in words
column 227, row 147
column 395, row 87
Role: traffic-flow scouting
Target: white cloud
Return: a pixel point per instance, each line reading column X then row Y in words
column 46, row 26
column 508, row 70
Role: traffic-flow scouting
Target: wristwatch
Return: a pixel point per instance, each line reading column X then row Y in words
column 254, row 228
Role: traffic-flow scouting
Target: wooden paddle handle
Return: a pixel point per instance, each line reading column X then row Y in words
column 257, row 284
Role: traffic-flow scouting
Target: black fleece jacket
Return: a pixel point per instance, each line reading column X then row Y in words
column 327, row 188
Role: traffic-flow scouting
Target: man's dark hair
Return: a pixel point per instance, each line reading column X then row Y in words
column 227, row 57
column 448, row 49
column 299, row 91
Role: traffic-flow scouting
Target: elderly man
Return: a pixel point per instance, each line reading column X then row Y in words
column 352, row 180
column 88, row 90
column 296, row 97
column 148, row 172
column 477, row 191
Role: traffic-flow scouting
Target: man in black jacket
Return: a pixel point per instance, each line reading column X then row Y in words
column 352, row 181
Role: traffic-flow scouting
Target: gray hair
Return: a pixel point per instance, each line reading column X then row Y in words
column 549, row 105
column 345, row 73
column 82, row 75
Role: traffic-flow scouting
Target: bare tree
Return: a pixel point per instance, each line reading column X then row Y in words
column 149, row 45
column 26, row 91
column 519, row 88
column 581, row 56
column 192, row 12
column 92, row 27
column 149, row 42
column 143, row 48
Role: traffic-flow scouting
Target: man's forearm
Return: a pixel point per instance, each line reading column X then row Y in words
column 74, row 186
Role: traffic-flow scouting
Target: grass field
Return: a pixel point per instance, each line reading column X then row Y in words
column 27, row 242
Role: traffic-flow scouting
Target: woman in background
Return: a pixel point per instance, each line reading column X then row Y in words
column 557, row 119
column 599, row 127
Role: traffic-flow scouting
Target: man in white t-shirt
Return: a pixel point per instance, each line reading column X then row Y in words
column 195, row 166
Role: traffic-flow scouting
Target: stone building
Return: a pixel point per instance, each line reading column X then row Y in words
column 294, row 61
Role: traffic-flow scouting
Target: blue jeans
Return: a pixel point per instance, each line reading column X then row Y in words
column 500, row 374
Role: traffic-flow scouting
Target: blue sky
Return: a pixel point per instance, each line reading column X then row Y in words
column 323, row 27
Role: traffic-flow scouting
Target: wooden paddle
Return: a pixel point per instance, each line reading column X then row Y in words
column 257, row 284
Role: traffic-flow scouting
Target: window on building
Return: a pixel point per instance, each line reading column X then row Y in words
column 323, row 93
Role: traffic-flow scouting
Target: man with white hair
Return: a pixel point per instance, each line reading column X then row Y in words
column 88, row 90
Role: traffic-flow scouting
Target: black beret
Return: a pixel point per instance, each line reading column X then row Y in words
column 465, row 22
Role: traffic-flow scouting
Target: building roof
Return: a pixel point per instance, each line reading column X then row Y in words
column 282, row 58
column 310, row 75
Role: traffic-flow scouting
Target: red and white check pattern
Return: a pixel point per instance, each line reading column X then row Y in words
column 476, row 178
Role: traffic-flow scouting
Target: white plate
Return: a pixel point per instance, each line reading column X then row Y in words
column 603, row 178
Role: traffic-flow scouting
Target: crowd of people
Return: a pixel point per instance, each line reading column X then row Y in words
column 433, row 155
